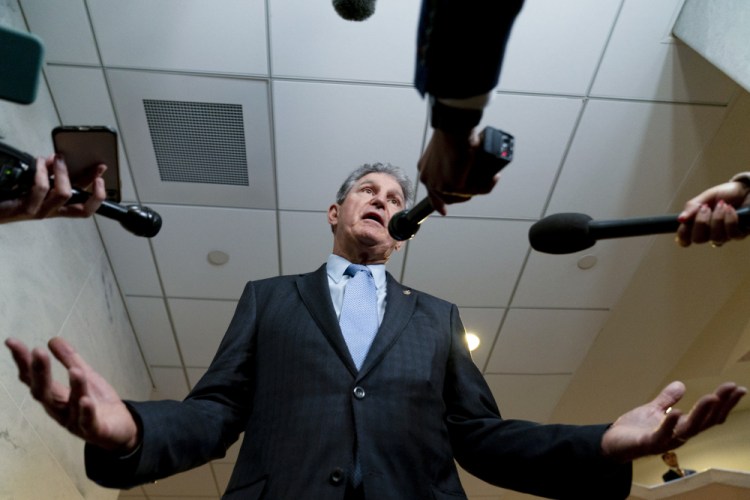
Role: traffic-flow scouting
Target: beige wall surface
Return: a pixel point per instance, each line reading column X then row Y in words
column 55, row 279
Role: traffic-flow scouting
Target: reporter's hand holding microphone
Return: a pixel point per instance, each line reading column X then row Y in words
column 712, row 216
column 46, row 199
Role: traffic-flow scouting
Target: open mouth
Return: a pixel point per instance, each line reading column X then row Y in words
column 374, row 216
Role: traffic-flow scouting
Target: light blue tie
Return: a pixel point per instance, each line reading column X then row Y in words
column 359, row 312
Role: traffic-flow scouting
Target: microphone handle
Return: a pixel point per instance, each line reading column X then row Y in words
column 141, row 221
column 640, row 226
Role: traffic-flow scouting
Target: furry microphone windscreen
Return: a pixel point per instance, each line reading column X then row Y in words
column 354, row 10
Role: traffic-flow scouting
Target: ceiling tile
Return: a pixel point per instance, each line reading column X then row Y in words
column 527, row 397
column 182, row 35
column 195, row 374
column 131, row 259
column 644, row 61
column 133, row 493
column 233, row 452
column 306, row 241
column 154, row 332
column 194, row 483
column 250, row 144
column 82, row 98
column 442, row 258
column 476, row 489
column 223, row 473
column 549, row 51
column 169, row 383
column 200, row 326
column 598, row 287
column 310, row 40
column 484, row 323
column 64, row 28
column 189, row 233
column 324, row 131
column 550, row 341
column 629, row 158
column 542, row 127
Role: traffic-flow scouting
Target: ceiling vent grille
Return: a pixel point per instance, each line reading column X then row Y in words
column 198, row 142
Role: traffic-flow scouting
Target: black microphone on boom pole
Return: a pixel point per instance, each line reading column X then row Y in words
column 572, row 232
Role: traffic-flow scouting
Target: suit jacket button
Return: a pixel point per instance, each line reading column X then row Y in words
column 359, row 393
column 337, row 476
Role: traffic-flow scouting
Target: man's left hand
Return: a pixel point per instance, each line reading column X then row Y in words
column 657, row 426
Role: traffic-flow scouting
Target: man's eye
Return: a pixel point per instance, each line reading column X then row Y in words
column 367, row 190
column 395, row 201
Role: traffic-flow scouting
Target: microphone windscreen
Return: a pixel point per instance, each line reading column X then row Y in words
column 561, row 233
column 354, row 10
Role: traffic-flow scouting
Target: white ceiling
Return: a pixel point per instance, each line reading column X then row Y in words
column 612, row 117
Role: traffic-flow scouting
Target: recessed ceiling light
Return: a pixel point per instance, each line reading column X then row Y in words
column 587, row 261
column 472, row 340
column 218, row 258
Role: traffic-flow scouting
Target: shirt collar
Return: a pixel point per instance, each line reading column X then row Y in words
column 336, row 266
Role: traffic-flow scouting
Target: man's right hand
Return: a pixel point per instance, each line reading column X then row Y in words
column 90, row 408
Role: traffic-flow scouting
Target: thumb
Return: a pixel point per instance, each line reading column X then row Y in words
column 669, row 396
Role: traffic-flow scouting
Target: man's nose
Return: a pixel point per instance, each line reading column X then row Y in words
column 378, row 200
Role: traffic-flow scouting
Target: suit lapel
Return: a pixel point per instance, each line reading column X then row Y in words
column 315, row 294
column 400, row 303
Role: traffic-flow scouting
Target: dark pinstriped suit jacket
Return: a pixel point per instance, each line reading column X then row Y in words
column 284, row 376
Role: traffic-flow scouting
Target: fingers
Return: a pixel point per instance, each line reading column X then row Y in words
column 710, row 410
column 94, row 201
column 22, row 358
column 41, row 377
column 68, row 356
column 39, row 190
column 60, row 192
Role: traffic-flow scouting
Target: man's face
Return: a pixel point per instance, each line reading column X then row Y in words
column 670, row 459
column 361, row 222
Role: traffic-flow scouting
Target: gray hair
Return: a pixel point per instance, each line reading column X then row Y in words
column 378, row 168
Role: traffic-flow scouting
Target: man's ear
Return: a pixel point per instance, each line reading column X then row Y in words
column 333, row 215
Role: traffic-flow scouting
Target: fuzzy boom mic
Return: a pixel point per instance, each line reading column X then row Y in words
column 571, row 232
column 354, row 10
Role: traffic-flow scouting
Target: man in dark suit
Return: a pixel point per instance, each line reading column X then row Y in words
column 675, row 471
column 319, row 425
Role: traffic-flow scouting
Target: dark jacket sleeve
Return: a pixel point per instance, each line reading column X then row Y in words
column 461, row 44
column 180, row 435
column 554, row 461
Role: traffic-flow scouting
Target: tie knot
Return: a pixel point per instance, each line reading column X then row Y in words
column 353, row 269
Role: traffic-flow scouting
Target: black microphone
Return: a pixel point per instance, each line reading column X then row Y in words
column 404, row 225
column 571, row 232
column 494, row 153
column 141, row 221
column 354, row 10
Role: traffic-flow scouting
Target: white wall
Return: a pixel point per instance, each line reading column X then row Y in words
column 720, row 32
column 55, row 279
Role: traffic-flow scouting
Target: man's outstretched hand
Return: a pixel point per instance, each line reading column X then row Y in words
column 657, row 426
column 90, row 408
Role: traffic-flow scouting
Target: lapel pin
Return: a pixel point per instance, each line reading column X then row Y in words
column 407, row 292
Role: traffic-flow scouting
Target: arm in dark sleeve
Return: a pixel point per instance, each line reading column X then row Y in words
column 515, row 454
column 461, row 44
column 180, row 435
